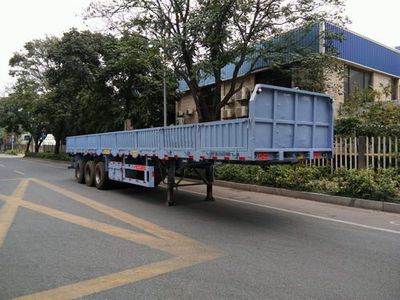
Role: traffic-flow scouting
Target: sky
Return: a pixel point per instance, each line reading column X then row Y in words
column 24, row 20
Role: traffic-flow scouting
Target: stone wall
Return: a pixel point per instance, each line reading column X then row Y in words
column 335, row 88
column 382, row 84
column 187, row 103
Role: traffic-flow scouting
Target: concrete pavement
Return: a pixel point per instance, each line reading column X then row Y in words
column 65, row 240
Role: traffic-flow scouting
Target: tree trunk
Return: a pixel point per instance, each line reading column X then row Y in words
column 37, row 145
column 28, row 145
column 57, row 146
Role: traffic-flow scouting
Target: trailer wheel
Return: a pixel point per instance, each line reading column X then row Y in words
column 80, row 171
column 100, row 176
column 89, row 173
column 160, row 174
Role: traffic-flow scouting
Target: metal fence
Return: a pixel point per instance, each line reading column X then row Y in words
column 362, row 152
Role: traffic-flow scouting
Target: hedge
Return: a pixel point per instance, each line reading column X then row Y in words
column 364, row 183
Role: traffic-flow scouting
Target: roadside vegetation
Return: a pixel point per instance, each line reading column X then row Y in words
column 364, row 114
column 11, row 152
column 366, row 183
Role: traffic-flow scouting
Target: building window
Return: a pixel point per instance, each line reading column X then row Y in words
column 395, row 89
column 356, row 79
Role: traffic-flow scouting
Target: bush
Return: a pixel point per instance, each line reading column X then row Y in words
column 367, row 184
column 240, row 173
column 12, row 152
column 329, row 186
column 48, row 155
column 357, row 183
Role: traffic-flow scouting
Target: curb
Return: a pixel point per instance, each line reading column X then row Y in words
column 339, row 200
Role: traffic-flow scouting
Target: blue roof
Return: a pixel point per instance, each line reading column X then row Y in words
column 357, row 49
column 353, row 48
column 301, row 38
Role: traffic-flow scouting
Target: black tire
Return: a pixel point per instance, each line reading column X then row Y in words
column 80, row 171
column 89, row 172
column 160, row 174
column 101, row 177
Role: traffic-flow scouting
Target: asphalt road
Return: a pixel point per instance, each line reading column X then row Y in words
column 63, row 240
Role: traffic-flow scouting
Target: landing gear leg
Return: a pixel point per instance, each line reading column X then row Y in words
column 209, row 182
column 171, row 182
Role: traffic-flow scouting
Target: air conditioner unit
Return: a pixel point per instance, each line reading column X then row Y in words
column 232, row 100
column 243, row 94
column 242, row 111
column 227, row 113
column 189, row 112
column 180, row 113
column 180, row 121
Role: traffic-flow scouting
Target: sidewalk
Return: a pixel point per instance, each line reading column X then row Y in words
column 2, row 155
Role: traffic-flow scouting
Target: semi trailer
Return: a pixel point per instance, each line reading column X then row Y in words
column 284, row 126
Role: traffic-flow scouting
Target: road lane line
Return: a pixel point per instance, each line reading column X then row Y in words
column 112, row 230
column 7, row 216
column 301, row 213
column 10, row 208
column 3, row 166
column 10, row 179
column 118, row 214
column 114, row 280
column 18, row 172
column 187, row 252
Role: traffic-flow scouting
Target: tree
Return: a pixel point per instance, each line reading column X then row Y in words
column 365, row 113
column 29, row 103
column 199, row 38
column 24, row 110
column 87, row 82
column 134, row 70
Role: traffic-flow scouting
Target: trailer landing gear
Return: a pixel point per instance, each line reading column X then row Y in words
column 171, row 182
column 207, row 178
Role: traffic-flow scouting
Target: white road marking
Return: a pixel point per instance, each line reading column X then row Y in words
column 304, row 214
column 394, row 223
column 18, row 172
column 3, row 166
column 10, row 179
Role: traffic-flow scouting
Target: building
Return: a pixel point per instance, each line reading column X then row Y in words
column 365, row 64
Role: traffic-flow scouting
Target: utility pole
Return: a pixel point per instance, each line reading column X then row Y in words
column 165, row 99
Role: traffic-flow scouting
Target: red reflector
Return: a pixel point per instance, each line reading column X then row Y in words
column 214, row 157
column 262, row 155
column 139, row 167
column 242, row 158
column 317, row 155
column 202, row 157
column 227, row 158
column 190, row 156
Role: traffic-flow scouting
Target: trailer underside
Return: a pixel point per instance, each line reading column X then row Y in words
column 101, row 171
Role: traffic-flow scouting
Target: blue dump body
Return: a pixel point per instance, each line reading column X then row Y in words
column 283, row 125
